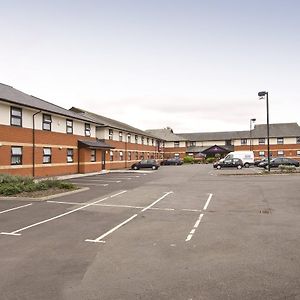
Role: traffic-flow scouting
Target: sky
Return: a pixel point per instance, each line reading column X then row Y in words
column 193, row 66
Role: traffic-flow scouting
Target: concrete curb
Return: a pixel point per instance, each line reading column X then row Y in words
column 46, row 197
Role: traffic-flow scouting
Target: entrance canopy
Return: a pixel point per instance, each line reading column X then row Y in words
column 94, row 145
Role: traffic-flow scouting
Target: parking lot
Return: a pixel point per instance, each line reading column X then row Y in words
column 182, row 232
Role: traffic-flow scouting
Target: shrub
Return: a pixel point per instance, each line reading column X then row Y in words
column 188, row 160
column 66, row 185
column 287, row 169
column 8, row 189
column 210, row 160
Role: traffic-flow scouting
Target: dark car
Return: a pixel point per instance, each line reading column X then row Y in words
column 229, row 163
column 172, row 161
column 257, row 162
column 146, row 163
column 279, row 161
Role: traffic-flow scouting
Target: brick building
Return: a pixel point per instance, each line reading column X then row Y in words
column 38, row 138
column 129, row 144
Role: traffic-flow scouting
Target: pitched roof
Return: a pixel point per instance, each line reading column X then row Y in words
column 277, row 130
column 215, row 136
column 10, row 94
column 166, row 134
column 107, row 122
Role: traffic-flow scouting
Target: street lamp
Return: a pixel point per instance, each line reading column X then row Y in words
column 251, row 121
column 261, row 95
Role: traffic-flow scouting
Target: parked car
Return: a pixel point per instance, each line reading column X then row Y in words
column 257, row 162
column 172, row 161
column 276, row 162
column 229, row 163
column 146, row 163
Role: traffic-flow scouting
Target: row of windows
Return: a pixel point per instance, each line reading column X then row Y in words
column 131, row 155
column 129, row 139
column 279, row 153
column 17, row 155
column 262, row 141
column 16, row 120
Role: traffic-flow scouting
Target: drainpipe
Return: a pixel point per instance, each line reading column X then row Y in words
column 33, row 143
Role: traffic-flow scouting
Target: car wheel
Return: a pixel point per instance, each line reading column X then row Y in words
column 218, row 167
column 239, row 167
column 135, row 168
column 154, row 168
column 246, row 165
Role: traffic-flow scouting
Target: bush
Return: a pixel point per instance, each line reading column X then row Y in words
column 287, row 169
column 8, row 189
column 210, row 160
column 66, row 185
column 188, row 160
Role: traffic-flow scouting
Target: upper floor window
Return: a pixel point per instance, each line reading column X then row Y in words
column 129, row 138
column 152, row 142
column 16, row 155
column 120, row 136
column 143, row 140
column 93, row 155
column 87, row 129
column 243, row 141
column 110, row 134
column 176, row 144
column 70, row 155
column 192, row 144
column 136, row 139
column 280, row 140
column 261, row 141
column 147, row 141
column 16, row 116
column 298, row 140
column 47, row 120
column 69, row 125
column 47, row 153
column 228, row 143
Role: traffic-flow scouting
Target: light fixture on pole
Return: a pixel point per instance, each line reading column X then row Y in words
column 262, row 96
column 251, row 121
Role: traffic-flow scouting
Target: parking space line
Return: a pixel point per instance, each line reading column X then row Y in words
column 99, row 239
column 190, row 235
column 93, row 184
column 61, row 215
column 97, row 180
column 14, row 208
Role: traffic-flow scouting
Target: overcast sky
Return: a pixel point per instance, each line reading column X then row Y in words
column 191, row 65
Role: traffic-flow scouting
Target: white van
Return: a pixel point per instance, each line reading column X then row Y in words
column 247, row 157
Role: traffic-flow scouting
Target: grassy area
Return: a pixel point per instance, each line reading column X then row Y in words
column 13, row 185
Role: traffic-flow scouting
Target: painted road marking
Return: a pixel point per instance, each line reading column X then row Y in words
column 96, row 180
column 14, row 208
column 93, row 184
column 99, row 239
column 190, row 235
column 62, row 215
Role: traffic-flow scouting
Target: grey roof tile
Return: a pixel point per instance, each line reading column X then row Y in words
column 166, row 134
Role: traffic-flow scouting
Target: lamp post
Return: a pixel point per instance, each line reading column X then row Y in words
column 261, row 95
column 251, row 121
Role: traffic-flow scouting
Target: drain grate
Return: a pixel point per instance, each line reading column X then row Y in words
column 265, row 211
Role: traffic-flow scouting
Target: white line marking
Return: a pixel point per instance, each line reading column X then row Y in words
column 194, row 210
column 62, row 215
column 153, row 203
column 4, row 211
column 10, row 233
column 190, row 235
column 97, row 240
column 207, row 201
column 96, row 180
column 93, row 184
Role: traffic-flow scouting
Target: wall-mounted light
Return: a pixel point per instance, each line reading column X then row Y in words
column 60, row 148
column 1, row 145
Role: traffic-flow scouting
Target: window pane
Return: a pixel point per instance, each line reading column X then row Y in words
column 46, row 159
column 47, row 151
column 16, row 121
column 16, row 160
column 69, row 159
column 16, row 151
column 16, row 112
column 47, row 126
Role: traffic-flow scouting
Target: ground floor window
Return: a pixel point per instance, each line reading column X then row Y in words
column 298, row 152
column 70, row 155
column 280, row 153
column 111, row 155
column 16, row 155
column 47, row 153
column 261, row 153
column 129, row 155
column 121, row 155
column 93, row 155
column 136, row 155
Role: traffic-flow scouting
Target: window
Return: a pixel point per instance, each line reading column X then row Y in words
column 243, row 141
column 46, row 155
column 69, row 124
column 16, row 155
column 129, row 155
column 298, row 152
column 142, row 155
column 87, row 129
column 192, row 144
column 280, row 153
column 121, row 155
column 129, row 138
column 93, row 155
column 176, row 155
column 16, row 116
column 136, row 139
column 136, row 155
column 70, row 154
column 47, row 120
column 147, row 141
column 280, row 140
column 120, row 136
column 110, row 134
column 261, row 153
column 176, row 144
column 261, row 141
column 111, row 155
column 143, row 140
column 152, row 142
column 298, row 140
